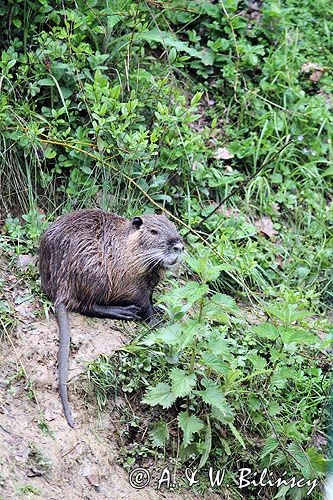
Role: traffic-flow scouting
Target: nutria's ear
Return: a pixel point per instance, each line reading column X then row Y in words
column 137, row 222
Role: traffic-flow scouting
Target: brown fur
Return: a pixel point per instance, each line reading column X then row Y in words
column 95, row 257
column 98, row 263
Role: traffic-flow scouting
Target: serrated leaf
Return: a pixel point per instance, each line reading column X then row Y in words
column 181, row 382
column 169, row 335
column 226, row 302
column 265, row 330
column 160, row 434
column 291, row 335
column 214, row 396
column 161, row 394
column 189, row 424
column 302, row 461
column 274, row 408
column 191, row 292
column 211, row 361
column 169, row 40
column 258, row 361
column 191, row 329
column 204, row 266
column 270, row 445
column 214, row 312
column 287, row 313
column 218, row 346
column 317, row 460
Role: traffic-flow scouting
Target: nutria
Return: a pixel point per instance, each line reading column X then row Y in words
column 103, row 265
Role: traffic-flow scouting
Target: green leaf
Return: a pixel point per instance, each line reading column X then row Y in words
column 237, row 434
column 214, row 396
column 213, row 312
column 218, row 345
column 46, row 82
column 191, row 330
column 208, row 445
column 328, row 171
column 226, row 302
column 182, row 383
column 317, row 460
column 112, row 21
column 189, row 424
column 17, row 22
column 196, row 98
column 191, row 292
column 169, row 335
column 270, row 445
column 160, row 434
column 302, row 462
column 290, row 335
column 214, row 363
column 258, row 362
column 59, row 91
column 161, row 394
column 204, row 266
column 169, row 40
column 265, row 330
column 287, row 313
column 11, row 63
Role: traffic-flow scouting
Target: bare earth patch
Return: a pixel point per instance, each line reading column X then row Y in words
column 70, row 463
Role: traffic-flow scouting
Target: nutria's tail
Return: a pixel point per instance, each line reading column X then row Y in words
column 64, row 338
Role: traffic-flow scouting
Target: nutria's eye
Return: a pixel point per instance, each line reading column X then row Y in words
column 137, row 222
column 153, row 231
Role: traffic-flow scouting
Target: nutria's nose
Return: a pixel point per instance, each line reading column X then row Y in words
column 178, row 247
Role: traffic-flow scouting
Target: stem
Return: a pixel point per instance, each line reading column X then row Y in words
column 194, row 349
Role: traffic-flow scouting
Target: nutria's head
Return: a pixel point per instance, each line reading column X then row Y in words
column 158, row 244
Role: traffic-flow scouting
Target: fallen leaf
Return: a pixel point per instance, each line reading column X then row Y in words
column 223, row 154
column 315, row 69
column 265, row 226
column 315, row 77
column 309, row 66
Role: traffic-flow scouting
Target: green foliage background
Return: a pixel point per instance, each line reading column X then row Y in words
column 128, row 104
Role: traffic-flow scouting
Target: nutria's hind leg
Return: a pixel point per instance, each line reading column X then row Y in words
column 158, row 310
column 114, row 312
column 148, row 314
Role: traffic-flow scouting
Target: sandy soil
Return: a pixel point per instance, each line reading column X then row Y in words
column 70, row 463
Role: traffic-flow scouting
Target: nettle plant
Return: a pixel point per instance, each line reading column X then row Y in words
column 232, row 384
